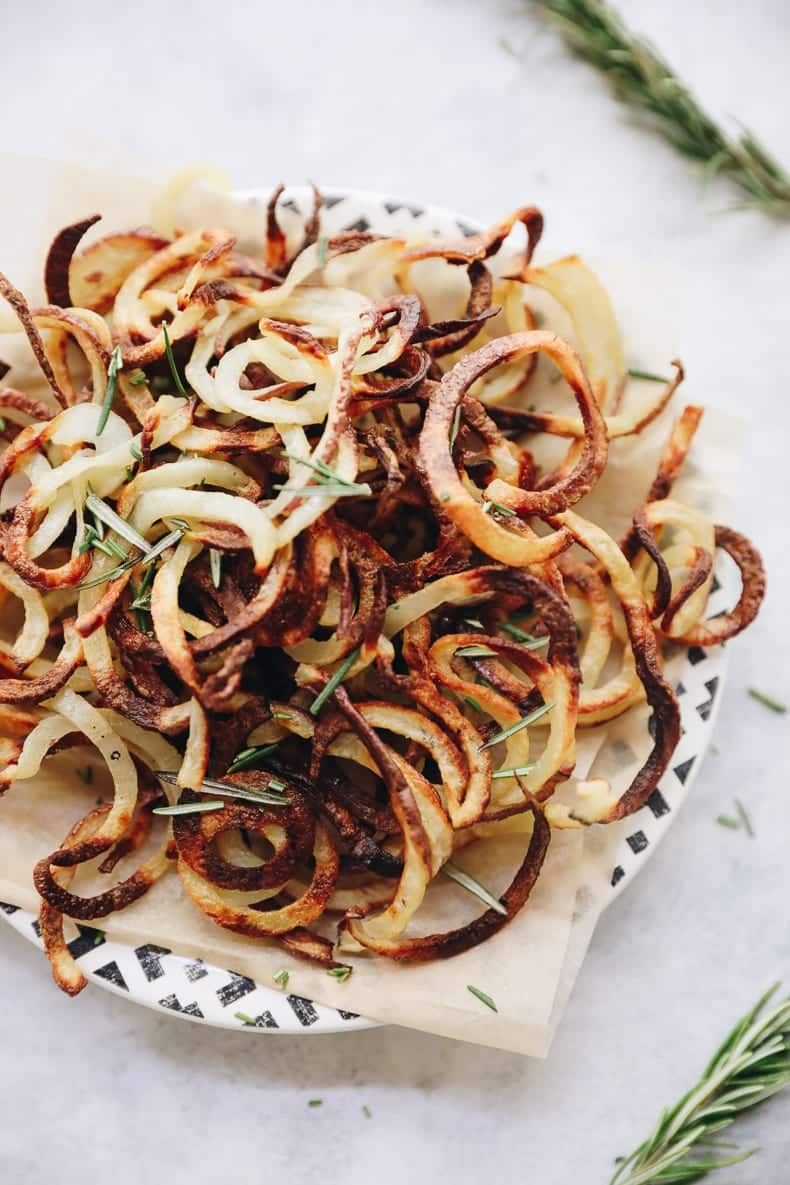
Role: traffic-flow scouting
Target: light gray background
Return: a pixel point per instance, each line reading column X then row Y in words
column 421, row 99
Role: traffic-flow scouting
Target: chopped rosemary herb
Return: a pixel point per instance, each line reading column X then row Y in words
column 483, row 996
column 315, row 1102
column 325, row 474
column 279, row 714
column 323, row 245
column 454, row 427
column 475, row 652
column 366, row 1111
column 454, row 873
column 271, row 796
column 99, row 937
column 516, row 771
column 116, row 362
column 171, row 362
column 647, row 376
column 329, row 688
column 767, row 702
column 168, row 540
column 444, row 496
column 531, row 641
column 248, row 1020
column 135, row 451
column 530, row 718
column 138, row 377
column 728, row 821
column 215, row 566
column 248, row 757
column 111, row 519
column 2, row 424
column 743, row 815
column 341, row 974
column 189, row 808
column 473, row 703
column 489, row 506
column 475, row 624
column 281, row 978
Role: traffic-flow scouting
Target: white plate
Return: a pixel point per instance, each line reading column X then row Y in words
column 188, row 988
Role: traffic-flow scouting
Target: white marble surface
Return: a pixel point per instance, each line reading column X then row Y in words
column 419, row 98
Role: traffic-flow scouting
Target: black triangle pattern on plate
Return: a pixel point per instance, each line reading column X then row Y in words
column 658, row 804
column 333, row 199
column 637, row 842
column 195, row 971
column 290, row 204
column 347, row 1015
column 87, row 939
column 715, row 585
column 680, row 689
column 466, row 230
column 9, row 909
column 264, row 1021
column 173, row 1003
column 240, row 985
column 682, row 771
column 149, row 957
column 617, row 875
column 696, row 654
column 112, row 973
column 711, row 686
column 361, row 224
column 304, row 1010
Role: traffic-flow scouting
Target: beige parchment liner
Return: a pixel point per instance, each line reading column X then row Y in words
column 530, row 967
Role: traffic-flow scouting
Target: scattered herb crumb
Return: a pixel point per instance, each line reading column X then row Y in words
column 248, row 1020
column 482, row 996
column 281, row 979
column 767, row 701
column 315, row 1102
column 646, row 375
column 98, row 937
column 366, row 1111
column 743, row 815
column 728, row 821
column 341, row 974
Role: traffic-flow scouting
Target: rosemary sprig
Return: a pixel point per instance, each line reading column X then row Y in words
column 454, row 873
column 329, row 688
column 524, row 722
column 517, row 771
column 171, row 362
column 272, row 796
column 135, row 451
column 767, row 701
column 475, row 652
column 116, row 362
column 644, row 80
column 473, row 703
column 111, row 519
column 751, row 1065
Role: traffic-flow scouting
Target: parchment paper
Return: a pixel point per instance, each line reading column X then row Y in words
column 530, row 967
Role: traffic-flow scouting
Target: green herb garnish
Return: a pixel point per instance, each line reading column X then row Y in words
column 281, row 978
column 248, row 757
column 647, row 376
column 323, row 245
column 111, row 519
column 329, row 688
column 98, row 937
column 189, row 808
column 475, row 652
column 366, row 1111
column 473, row 703
column 454, row 873
column 271, row 796
column 135, row 451
column 455, row 426
column 138, row 377
column 531, row 641
column 324, row 473
column 516, row 771
column 171, row 362
column 248, row 1020
column 315, row 1102
column 483, row 996
column 215, row 566
column 489, row 506
column 444, row 496
column 116, row 362
column 644, row 80
column 767, row 702
column 728, row 821
column 530, row 718
column 743, row 815
column 750, row 1066
column 341, row 974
